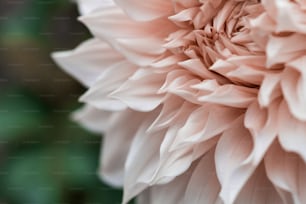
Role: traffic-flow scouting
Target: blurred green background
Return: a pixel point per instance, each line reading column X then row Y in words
column 44, row 157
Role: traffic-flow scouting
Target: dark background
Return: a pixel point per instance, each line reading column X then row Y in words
column 44, row 157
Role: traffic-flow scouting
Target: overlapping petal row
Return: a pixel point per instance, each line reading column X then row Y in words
column 200, row 101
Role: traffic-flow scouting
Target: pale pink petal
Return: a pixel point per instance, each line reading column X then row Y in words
column 261, row 122
column 99, row 93
column 269, row 90
column 120, row 32
column 285, row 48
column 139, row 92
column 259, row 189
column 116, row 145
column 170, row 193
column 93, row 119
column 287, row 171
column 232, row 150
column 291, row 132
column 146, row 10
column 204, row 123
column 87, row 6
column 88, row 61
column 230, row 95
column 142, row 159
column 203, row 186
column 294, row 89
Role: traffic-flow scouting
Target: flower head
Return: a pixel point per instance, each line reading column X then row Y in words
column 200, row 101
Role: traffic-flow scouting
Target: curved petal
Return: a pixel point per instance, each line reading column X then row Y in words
column 87, row 61
column 170, row 193
column 114, row 26
column 287, row 171
column 232, row 150
column 99, row 93
column 259, row 189
column 291, row 132
column 204, row 123
column 203, row 186
column 293, row 83
column 262, row 124
column 93, row 119
column 142, row 158
column 116, row 145
column 146, row 10
column 140, row 91
column 87, row 6
column 230, row 95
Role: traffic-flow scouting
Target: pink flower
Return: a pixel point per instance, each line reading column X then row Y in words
column 200, row 101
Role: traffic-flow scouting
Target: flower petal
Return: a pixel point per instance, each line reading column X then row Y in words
column 87, row 6
column 259, row 189
column 146, row 10
column 93, row 119
column 232, row 150
column 109, row 81
column 140, row 92
column 203, row 186
column 88, row 61
column 291, row 132
column 287, row 171
column 116, row 145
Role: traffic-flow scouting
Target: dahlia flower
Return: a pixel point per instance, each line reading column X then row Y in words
column 199, row 101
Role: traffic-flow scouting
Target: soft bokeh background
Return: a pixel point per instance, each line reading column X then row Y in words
column 44, row 157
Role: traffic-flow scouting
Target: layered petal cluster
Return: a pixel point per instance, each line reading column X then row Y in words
column 199, row 101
